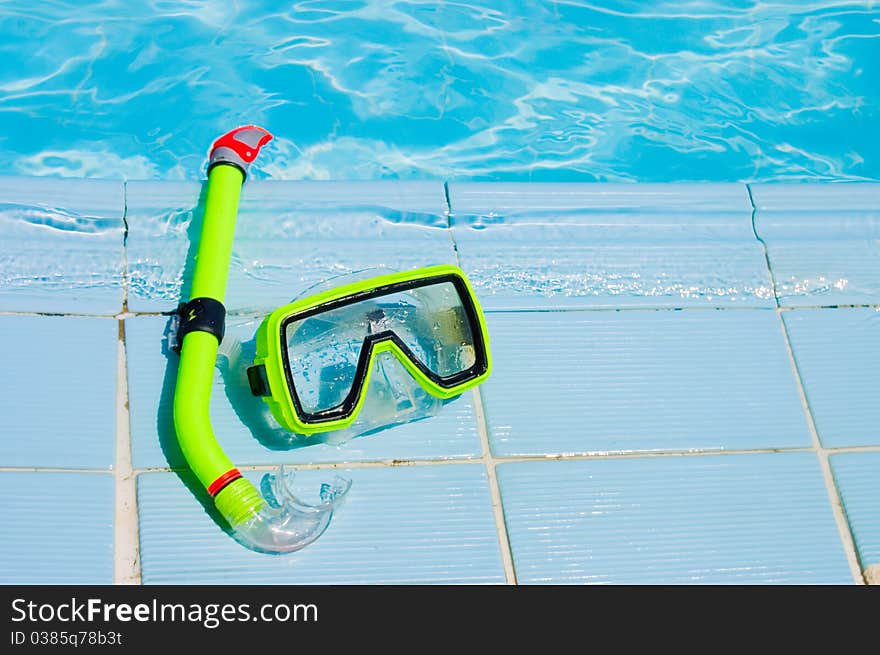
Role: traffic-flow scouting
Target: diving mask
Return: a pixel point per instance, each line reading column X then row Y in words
column 316, row 357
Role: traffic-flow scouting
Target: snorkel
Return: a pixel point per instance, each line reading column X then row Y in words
column 274, row 521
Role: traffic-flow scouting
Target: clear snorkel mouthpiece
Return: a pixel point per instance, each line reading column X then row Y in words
column 274, row 519
column 286, row 523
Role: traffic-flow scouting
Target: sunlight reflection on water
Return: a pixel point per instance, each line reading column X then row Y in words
column 501, row 90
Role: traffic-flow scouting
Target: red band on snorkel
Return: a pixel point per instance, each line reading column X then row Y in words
column 247, row 147
column 217, row 485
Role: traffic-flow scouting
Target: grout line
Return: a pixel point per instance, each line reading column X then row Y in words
column 494, row 490
column 843, row 528
column 760, row 240
column 126, row 550
column 43, row 469
column 449, row 226
column 125, row 281
column 672, row 308
column 126, row 558
column 788, row 308
column 109, row 317
column 822, row 453
column 511, row 459
column 486, row 458
column 464, row 459
column 245, row 313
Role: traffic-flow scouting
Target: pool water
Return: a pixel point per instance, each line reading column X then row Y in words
column 514, row 91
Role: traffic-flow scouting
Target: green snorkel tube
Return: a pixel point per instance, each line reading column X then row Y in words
column 274, row 521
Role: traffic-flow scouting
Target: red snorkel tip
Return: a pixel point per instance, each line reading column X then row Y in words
column 239, row 147
column 245, row 141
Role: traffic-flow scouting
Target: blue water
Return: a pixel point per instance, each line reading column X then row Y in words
column 491, row 90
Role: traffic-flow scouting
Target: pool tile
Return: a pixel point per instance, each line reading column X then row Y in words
column 839, row 362
column 823, row 241
column 235, row 414
column 59, row 400
column 593, row 382
column 524, row 198
column 858, row 480
column 289, row 236
column 714, row 519
column 45, row 510
column 552, row 246
column 398, row 525
column 62, row 245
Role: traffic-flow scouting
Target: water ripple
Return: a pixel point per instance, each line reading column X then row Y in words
column 18, row 218
column 502, row 90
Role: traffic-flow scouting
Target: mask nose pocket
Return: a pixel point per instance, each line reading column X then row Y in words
column 392, row 397
column 335, row 383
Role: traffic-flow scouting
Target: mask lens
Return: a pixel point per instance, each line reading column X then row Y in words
column 324, row 348
column 323, row 352
column 432, row 322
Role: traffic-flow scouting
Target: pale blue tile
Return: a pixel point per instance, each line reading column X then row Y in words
column 588, row 382
column 528, row 198
column 551, row 246
column 158, row 246
column 823, row 241
column 62, row 245
column 58, row 528
column 858, row 480
column 289, row 236
column 715, row 519
column 809, row 197
column 398, row 525
column 237, row 415
column 838, row 356
column 58, row 398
